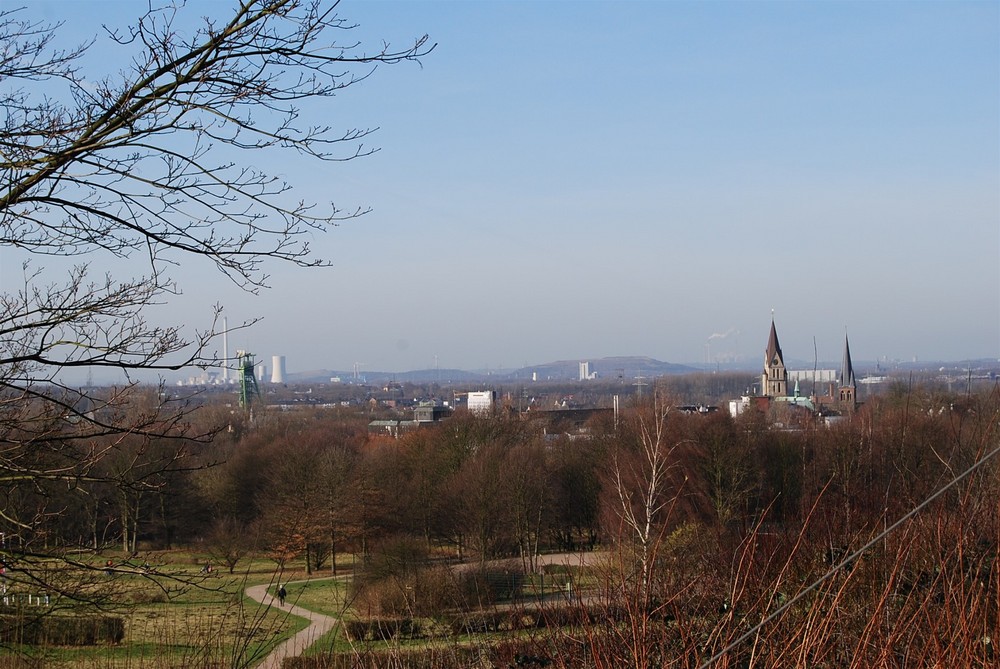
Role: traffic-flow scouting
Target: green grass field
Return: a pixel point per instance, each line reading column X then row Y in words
column 186, row 618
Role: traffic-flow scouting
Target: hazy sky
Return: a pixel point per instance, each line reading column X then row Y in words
column 573, row 180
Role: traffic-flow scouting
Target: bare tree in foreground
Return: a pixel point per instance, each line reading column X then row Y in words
column 148, row 166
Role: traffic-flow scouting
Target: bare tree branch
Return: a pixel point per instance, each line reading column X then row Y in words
column 157, row 164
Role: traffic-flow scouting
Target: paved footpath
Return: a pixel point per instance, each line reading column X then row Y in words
column 319, row 625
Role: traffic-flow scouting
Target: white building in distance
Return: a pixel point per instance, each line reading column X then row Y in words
column 481, row 401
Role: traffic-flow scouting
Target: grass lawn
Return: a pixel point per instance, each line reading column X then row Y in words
column 324, row 595
column 183, row 618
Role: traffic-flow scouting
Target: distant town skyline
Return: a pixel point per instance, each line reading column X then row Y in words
column 572, row 181
column 626, row 370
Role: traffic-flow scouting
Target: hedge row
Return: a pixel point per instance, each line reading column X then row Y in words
column 426, row 592
column 52, row 630
column 515, row 653
column 384, row 629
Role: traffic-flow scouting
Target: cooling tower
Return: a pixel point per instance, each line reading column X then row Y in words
column 277, row 369
column 261, row 373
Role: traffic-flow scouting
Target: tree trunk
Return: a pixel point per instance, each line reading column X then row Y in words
column 93, row 527
column 125, row 521
column 135, row 528
column 167, row 539
column 333, row 550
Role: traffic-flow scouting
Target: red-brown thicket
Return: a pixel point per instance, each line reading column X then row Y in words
column 804, row 562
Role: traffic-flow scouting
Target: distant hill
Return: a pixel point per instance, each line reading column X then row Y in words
column 626, row 367
column 379, row 377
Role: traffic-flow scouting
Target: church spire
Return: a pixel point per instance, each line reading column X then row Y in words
column 774, row 380
column 848, row 384
column 847, row 369
column 773, row 353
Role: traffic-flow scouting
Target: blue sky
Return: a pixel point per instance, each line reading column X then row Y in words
column 564, row 180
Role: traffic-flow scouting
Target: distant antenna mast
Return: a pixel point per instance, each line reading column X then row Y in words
column 639, row 383
column 249, row 392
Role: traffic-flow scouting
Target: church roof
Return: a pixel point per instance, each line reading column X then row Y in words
column 773, row 347
column 847, row 369
column 796, row 401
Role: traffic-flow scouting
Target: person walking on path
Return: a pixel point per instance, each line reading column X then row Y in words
column 282, row 593
column 294, row 646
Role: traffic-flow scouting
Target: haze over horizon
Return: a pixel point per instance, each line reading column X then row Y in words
column 585, row 180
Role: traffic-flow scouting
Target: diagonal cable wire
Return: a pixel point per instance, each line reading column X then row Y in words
column 850, row 558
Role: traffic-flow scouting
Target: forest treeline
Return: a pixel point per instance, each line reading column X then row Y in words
column 315, row 482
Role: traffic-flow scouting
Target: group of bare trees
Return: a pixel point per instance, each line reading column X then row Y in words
column 484, row 487
column 131, row 173
column 712, row 525
column 471, row 488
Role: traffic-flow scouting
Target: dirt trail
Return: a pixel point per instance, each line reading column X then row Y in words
column 319, row 625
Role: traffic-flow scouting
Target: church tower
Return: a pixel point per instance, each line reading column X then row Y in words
column 848, row 386
column 774, row 381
